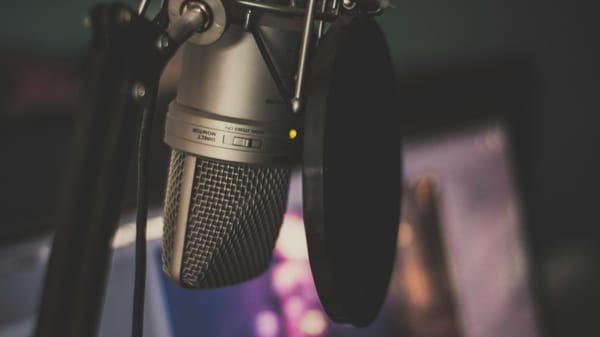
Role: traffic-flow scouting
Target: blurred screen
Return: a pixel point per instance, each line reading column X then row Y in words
column 468, row 236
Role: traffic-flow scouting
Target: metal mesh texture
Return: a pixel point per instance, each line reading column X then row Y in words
column 171, row 206
column 233, row 221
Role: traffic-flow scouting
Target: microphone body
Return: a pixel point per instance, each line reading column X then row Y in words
column 231, row 156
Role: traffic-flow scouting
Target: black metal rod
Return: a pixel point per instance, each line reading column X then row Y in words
column 143, row 6
column 297, row 100
column 122, row 75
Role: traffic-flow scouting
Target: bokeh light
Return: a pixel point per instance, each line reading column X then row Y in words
column 313, row 323
column 266, row 324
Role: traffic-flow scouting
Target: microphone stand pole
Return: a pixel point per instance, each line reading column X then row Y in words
column 127, row 56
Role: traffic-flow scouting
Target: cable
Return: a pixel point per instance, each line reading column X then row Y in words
column 139, row 290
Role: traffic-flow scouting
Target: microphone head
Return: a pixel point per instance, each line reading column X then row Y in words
column 221, row 220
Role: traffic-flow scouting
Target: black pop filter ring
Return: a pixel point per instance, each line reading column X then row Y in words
column 352, row 170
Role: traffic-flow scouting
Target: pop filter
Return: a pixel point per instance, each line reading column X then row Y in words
column 352, row 170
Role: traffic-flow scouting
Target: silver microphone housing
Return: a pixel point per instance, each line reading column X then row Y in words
column 231, row 157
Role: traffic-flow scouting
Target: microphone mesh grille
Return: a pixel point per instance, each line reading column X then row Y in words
column 171, row 206
column 233, row 221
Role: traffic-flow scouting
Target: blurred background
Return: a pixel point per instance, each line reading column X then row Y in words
column 498, row 232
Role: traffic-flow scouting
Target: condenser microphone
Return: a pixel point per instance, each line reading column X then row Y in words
column 232, row 138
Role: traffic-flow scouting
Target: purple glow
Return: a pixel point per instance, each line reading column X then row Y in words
column 291, row 278
column 294, row 308
column 266, row 324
